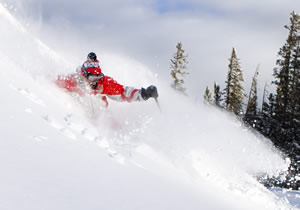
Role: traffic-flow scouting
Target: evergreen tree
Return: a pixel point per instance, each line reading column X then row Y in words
column 263, row 115
column 286, row 119
column 217, row 95
column 234, row 89
column 266, row 124
column 264, row 96
column 295, row 93
column 207, row 96
column 178, row 68
column 287, row 76
column 294, row 104
column 251, row 111
column 271, row 124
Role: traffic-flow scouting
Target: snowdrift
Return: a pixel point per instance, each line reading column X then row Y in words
column 54, row 155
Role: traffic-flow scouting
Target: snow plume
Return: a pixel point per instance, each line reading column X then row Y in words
column 26, row 51
column 130, row 156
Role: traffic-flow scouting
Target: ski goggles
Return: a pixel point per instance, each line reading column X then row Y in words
column 94, row 77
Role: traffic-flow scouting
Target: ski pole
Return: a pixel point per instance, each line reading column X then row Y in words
column 157, row 103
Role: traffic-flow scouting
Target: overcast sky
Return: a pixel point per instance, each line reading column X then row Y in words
column 148, row 31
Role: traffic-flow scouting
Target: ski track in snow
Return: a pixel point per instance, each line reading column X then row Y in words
column 75, row 130
column 28, row 94
column 69, row 128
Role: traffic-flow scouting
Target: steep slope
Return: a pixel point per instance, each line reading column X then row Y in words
column 53, row 155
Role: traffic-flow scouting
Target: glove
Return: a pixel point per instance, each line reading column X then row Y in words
column 149, row 92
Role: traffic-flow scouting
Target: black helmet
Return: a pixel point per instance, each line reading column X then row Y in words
column 92, row 56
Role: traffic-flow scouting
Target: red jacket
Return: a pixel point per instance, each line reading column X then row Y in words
column 106, row 85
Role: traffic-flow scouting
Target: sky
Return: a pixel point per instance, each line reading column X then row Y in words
column 148, row 32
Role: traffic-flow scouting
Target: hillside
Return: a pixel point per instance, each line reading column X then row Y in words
column 55, row 155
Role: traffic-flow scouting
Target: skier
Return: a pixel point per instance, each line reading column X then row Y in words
column 90, row 78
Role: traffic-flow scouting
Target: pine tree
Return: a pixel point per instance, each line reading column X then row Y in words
column 294, row 105
column 217, row 95
column 207, row 96
column 295, row 71
column 251, row 111
column 286, row 120
column 264, row 96
column 178, row 68
column 269, row 124
column 287, row 81
column 234, row 89
column 296, row 93
column 262, row 117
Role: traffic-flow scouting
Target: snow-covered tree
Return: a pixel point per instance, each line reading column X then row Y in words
column 178, row 68
column 217, row 95
column 234, row 90
column 251, row 111
column 207, row 96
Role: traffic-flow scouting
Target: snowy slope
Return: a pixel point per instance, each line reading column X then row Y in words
column 53, row 155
